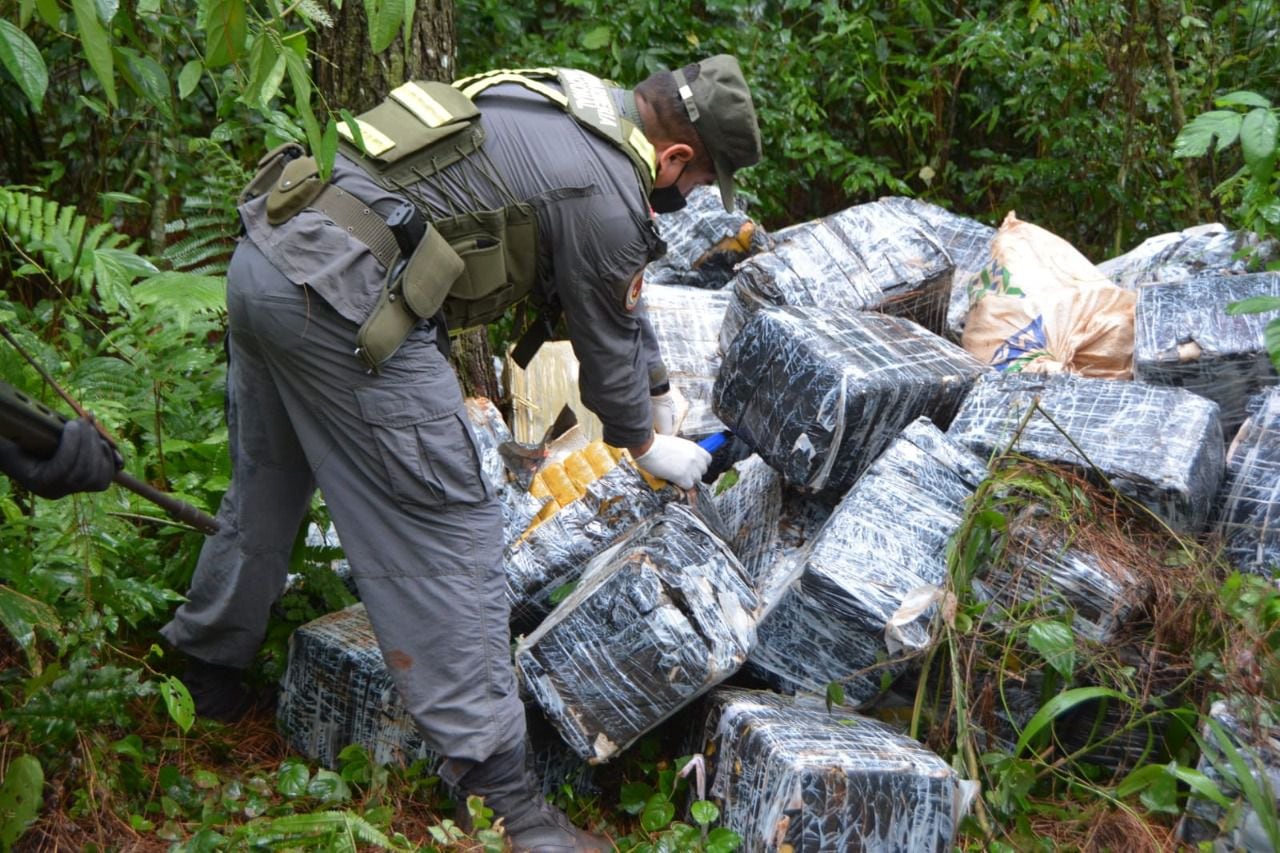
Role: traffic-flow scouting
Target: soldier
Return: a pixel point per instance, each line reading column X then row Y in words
column 83, row 462
column 536, row 185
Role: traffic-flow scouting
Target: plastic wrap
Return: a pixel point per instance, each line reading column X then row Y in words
column 789, row 775
column 1249, row 514
column 658, row 619
column 887, row 538
column 518, row 507
column 336, row 691
column 1187, row 253
column 967, row 241
column 749, row 501
column 1161, row 446
column 704, row 241
column 1184, row 337
column 687, row 324
column 554, row 553
column 818, row 396
column 869, row 256
column 1258, row 746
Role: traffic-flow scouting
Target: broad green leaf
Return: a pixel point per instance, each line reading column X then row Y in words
column 189, row 78
column 1056, row 644
column 633, row 796
column 657, row 813
column 596, row 38
column 107, row 10
column 148, row 7
column 1195, row 139
column 328, row 147
column 225, row 32
column 704, row 812
column 22, row 59
column 1271, row 340
column 25, row 8
column 21, row 797
column 97, row 46
column 292, row 779
column 130, row 745
column 328, row 787
column 153, row 82
column 50, row 13
column 723, row 840
column 384, row 22
column 1060, row 704
column 406, row 28
column 1200, row 783
column 1242, row 99
column 178, row 702
column 20, row 614
column 1254, row 305
column 1258, row 141
column 835, row 695
column 271, row 80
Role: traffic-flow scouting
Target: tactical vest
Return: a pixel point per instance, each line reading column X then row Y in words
column 473, row 265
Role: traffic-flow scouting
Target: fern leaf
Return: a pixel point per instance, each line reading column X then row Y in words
column 315, row 13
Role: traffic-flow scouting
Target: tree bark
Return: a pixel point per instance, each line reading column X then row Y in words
column 349, row 76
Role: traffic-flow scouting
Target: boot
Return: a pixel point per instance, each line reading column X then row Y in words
column 218, row 691
column 532, row 824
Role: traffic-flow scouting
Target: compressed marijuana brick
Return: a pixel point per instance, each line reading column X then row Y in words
column 1249, row 516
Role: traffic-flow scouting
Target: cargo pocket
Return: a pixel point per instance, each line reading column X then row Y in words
column 424, row 442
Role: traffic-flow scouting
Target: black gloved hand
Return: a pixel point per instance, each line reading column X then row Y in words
column 83, row 462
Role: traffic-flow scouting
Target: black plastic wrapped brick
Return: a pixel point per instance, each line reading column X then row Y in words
column 1161, row 446
column 1257, row 745
column 1184, row 337
column 887, row 538
column 1184, row 254
column 704, row 241
column 657, row 620
column 336, row 691
column 1249, row 516
column 819, row 396
column 787, row 774
column 866, row 257
column 686, row 322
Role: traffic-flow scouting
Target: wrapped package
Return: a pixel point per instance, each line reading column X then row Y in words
column 865, row 257
column 704, row 242
column 1159, row 446
column 787, row 774
column 687, row 323
column 886, row 539
column 657, row 620
column 748, row 499
column 967, row 241
column 1249, row 511
column 519, row 508
column 337, row 691
column 1257, row 745
column 1186, row 338
column 1191, row 252
column 1041, row 307
column 541, row 390
column 552, row 554
column 818, row 396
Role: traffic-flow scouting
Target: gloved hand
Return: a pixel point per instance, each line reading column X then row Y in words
column 669, row 409
column 676, row 459
column 83, row 462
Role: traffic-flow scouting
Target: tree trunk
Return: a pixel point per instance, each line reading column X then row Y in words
column 349, row 76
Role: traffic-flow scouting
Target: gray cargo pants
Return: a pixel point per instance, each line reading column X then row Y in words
column 397, row 463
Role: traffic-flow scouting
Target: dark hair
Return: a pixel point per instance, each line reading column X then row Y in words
column 660, row 92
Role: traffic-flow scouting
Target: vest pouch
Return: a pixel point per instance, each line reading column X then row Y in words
column 430, row 275
column 484, row 271
column 297, row 188
column 500, row 250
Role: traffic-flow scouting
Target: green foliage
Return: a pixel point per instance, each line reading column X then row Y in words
column 21, row 796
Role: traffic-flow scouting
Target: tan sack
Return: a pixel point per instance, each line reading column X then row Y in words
column 1042, row 307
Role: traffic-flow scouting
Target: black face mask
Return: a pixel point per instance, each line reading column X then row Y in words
column 668, row 199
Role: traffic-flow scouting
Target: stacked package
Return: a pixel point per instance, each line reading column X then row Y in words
column 789, row 775
column 704, row 241
column 1184, row 337
column 886, row 539
column 869, row 256
column 1249, row 518
column 1160, row 446
column 967, row 241
column 1183, row 254
column 687, row 324
column 1257, row 746
column 818, row 396
column 337, row 691
column 518, row 507
column 553, row 553
column 657, row 620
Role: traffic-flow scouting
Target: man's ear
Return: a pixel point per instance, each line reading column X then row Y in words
column 673, row 158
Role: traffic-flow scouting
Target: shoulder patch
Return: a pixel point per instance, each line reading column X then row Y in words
column 632, row 298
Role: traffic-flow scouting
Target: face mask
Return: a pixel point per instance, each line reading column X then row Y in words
column 668, row 199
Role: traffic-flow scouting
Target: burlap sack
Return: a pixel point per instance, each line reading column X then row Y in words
column 1042, row 307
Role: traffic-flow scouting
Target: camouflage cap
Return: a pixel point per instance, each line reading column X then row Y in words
column 719, row 105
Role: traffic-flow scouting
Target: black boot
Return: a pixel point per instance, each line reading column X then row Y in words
column 218, row 691
column 532, row 824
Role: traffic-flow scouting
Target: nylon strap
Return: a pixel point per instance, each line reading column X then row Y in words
column 360, row 221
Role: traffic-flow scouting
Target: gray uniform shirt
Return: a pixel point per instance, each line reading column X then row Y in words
column 594, row 228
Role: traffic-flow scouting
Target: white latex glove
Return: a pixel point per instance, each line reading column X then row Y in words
column 669, row 410
column 676, row 459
